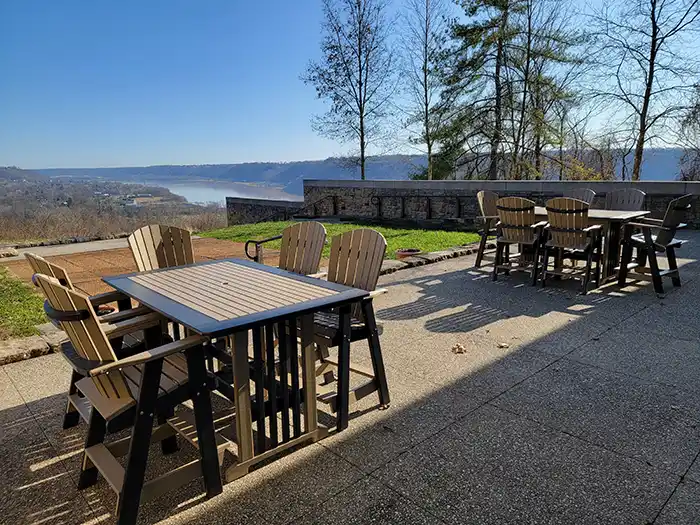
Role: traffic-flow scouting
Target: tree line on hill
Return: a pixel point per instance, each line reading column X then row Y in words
column 514, row 89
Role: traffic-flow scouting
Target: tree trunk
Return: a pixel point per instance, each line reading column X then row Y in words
column 643, row 115
column 519, row 148
column 426, row 90
column 496, row 137
column 362, row 147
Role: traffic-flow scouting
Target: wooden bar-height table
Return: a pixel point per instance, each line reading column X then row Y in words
column 229, row 299
column 612, row 221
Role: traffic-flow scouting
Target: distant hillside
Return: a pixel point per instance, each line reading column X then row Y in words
column 658, row 164
column 11, row 173
column 287, row 175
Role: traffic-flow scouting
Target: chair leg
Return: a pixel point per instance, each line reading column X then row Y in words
column 130, row 494
column 506, row 251
column 598, row 263
column 497, row 262
column 535, row 263
column 376, row 353
column 673, row 265
column 482, row 248
column 654, row 269
column 627, row 250
column 97, row 429
column 72, row 417
column 587, row 276
column 545, row 264
column 201, row 401
column 343, row 368
column 641, row 257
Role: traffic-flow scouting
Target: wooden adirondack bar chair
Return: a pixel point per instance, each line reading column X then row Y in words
column 127, row 393
column 489, row 215
column 570, row 236
column 658, row 236
column 518, row 225
column 157, row 246
column 355, row 260
column 582, row 194
column 628, row 199
column 302, row 246
column 76, row 405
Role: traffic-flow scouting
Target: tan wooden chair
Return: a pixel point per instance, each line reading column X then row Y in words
column 355, row 260
column 570, row 236
column 518, row 225
column 127, row 393
column 302, row 246
column 157, row 246
column 627, row 199
column 489, row 216
column 122, row 346
column 582, row 194
column 658, row 236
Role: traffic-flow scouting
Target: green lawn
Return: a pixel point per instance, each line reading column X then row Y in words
column 21, row 309
column 426, row 240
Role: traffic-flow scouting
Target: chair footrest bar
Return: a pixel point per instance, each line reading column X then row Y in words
column 107, row 464
column 82, row 405
column 331, row 398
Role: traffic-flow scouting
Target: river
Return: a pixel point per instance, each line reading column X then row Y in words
column 215, row 191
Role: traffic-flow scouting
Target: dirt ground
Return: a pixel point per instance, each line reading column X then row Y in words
column 87, row 269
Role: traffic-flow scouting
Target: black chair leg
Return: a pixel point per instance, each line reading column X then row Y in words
column 673, row 266
column 535, row 263
column 72, row 417
column 97, row 429
column 497, row 262
column 135, row 471
column 343, row 392
column 482, row 248
column 545, row 264
column 376, row 353
column 587, row 276
column 201, row 401
column 655, row 272
column 598, row 263
column 627, row 249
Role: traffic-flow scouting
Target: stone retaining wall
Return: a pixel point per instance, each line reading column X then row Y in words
column 437, row 204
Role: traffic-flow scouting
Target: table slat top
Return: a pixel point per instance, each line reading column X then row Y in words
column 217, row 297
column 602, row 215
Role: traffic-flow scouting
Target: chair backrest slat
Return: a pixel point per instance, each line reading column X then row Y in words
column 567, row 219
column 302, row 246
column 582, row 194
column 487, row 203
column 516, row 215
column 356, row 260
column 675, row 215
column 627, row 199
column 44, row 267
column 86, row 335
column 157, row 246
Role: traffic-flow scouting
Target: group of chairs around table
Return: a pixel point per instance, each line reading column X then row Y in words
column 568, row 234
column 117, row 356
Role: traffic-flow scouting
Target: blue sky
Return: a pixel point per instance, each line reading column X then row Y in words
column 134, row 82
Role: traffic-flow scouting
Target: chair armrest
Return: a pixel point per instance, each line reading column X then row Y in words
column 318, row 275
column 258, row 243
column 593, row 227
column 129, row 326
column 107, row 297
column 160, row 352
column 123, row 315
column 377, row 292
column 681, row 225
column 540, row 224
column 649, row 219
column 644, row 226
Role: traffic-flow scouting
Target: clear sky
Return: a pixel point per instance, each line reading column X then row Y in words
column 87, row 83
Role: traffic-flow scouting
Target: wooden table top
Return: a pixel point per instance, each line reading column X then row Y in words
column 216, row 298
column 602, row 215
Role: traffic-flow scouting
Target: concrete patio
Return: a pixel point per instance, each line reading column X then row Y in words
column 562, row 409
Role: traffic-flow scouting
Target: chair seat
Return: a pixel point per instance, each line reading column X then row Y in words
column 675, row 243
column 576, row 248
column 530, row 242
column 327, row 326
column 174, row 376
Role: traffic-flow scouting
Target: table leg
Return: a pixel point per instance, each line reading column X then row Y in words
column 308, row 359
column 344, row 367
column 612, row 250
column 241, row 385
column 204, row 420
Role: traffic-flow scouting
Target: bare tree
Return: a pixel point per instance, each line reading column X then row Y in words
column 645, row 49
column 689, row 139
column 425, row 26
column 356, row 73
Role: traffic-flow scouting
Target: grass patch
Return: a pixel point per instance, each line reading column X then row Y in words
column 396, row 238
column 21, row 309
